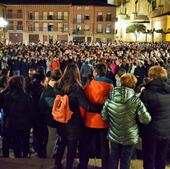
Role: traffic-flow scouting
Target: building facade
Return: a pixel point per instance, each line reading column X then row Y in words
column 2, row 15
column 153, row 14
column 60, row 21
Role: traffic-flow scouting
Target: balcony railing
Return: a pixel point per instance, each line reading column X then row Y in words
column 41, row 17
column 14, row 15
column 78, row 32
column 99, row 31
column 46, row 29
column 10, row 27
column 19, row 27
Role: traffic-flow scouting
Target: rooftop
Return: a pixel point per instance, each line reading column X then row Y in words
column 62, row 2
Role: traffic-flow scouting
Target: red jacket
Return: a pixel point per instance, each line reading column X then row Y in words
column 97, row 92
column 55, row 65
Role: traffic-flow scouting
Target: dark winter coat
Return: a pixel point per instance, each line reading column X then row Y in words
column 17, row 107
column 46, row 104
column 156, row 98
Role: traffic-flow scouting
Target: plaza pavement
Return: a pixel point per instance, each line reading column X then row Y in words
column 9, row 163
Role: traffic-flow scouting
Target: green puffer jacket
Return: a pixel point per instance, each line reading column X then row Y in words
column 123, row 109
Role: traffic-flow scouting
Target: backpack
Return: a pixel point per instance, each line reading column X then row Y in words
column 61, row 111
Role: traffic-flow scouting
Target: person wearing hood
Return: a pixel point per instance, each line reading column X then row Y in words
column 95, row 129
column 122, row 109
column 156, row 136
column 86, row 72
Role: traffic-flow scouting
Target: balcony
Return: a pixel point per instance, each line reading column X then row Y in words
column 10, row 27
column 109, row 19
column 99, row 31
column 41, row 17
column 75, row 21
column 19, row 27
column 14, row 15
column 78, row 32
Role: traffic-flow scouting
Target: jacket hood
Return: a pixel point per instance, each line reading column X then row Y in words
column 159, row 85
column 121, row 94
column 100, row 87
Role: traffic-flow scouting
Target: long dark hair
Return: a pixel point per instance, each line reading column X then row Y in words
column 70, row 76
column 16, row 83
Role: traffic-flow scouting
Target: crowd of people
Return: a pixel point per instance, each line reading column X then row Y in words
column 117, row 92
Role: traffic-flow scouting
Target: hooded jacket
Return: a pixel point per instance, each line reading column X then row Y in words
column 122, row 109
column 97, row 92
column 156, row 97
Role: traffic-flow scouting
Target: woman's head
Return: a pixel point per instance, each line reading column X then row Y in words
column 156, row 72
column 128, row 80
column 16, row 83
column 70, row 76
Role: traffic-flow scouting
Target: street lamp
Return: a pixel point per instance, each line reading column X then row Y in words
column 3, row 24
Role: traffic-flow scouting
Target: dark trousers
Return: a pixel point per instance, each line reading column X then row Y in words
column 20, row 141
column 6, row 142
column 122, row 153
column 94, row 144
column 40, row 137
column 71, row 152
column 154, row 152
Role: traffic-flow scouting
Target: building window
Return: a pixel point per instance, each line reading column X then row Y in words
column 59, row 15
column 30, row 15
column 10, row 25
column 50, row 16
column 10, row 13
column 30, row 27
column 99, row 28
column 60, row 27
column 65, row 27
column 78, row 19
column 87, row 17
column 36, row 26
column 108, row 28
column 45, row 15
column 44, row 26
column 87, row 28
column 65, row 15
column 78, row 29
column 100, row 16
column 36, row 15
column 19, row 13
column 19, row 25
column 109, row 17
column 50, row 27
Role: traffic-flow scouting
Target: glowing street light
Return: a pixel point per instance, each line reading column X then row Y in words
column 120, row 25
column 3, row 23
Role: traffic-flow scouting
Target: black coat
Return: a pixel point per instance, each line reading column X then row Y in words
column 18, row 112
column 156, row 98
column 35, row 90
column 46, row 104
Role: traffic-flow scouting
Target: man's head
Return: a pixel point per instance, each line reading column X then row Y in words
column 100, row 70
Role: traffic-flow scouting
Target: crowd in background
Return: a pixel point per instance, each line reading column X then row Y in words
column 92, row 75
